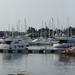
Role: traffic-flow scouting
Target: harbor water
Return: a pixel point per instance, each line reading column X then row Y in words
column 36, row 64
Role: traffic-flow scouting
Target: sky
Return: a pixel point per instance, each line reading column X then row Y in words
column 14, row 12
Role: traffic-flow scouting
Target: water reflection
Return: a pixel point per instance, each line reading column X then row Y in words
column 13, row 64
column 37, row 64
column 69, row 58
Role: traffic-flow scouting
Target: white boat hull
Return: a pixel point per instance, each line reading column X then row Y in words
column 13, row 43
column 19, row 47
column 63, row 45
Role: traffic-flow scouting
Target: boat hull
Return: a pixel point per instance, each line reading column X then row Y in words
column 63, row 45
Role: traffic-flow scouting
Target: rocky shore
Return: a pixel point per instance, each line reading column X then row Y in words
column 69, row 51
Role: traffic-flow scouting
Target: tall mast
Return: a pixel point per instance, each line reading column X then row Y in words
column 58, row 22
column 49, row 27
column 41, row 30
column 58, row 25
column 62, row 27
column 68, row 26
column 17, row 30
column 25, row 25
column 19, row 27
column 45, row 31
column 52, row 27
column 9, row 29
column 12, row 31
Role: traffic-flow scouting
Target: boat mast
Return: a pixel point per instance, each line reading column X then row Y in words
column 41, row 30
column 45, row 31
column 49, row 27
column 25, row 25
column 12, row 31
column 52, row 27
column 68, row 26
column 58, row 26
column 19, row 28
column 9, row 29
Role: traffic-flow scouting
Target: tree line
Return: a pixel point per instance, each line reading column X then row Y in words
column 44, row 32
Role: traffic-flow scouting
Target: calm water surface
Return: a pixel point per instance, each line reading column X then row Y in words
column 36, row 64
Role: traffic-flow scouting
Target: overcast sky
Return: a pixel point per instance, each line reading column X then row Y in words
column 36, row 11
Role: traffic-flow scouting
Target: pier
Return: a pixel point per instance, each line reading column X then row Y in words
column 32, row 51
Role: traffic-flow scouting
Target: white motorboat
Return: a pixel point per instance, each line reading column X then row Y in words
column 43, row 41
column 13, row 43
column 65, row 42
column 38, row 41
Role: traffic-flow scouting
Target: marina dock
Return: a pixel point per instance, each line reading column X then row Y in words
column 32, row 51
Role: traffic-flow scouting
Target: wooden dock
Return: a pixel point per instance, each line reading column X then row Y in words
column 32, row 51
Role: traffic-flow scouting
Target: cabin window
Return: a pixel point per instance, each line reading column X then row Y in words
column 0, row 42
column 16, row 42
column 19, row 46
column 7, row 42
column 10, row 48
column 15, row 46
column 63, row 41
column 19, row 40
column 22, row 46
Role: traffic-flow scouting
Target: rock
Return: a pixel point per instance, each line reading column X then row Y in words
column 69, row 51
